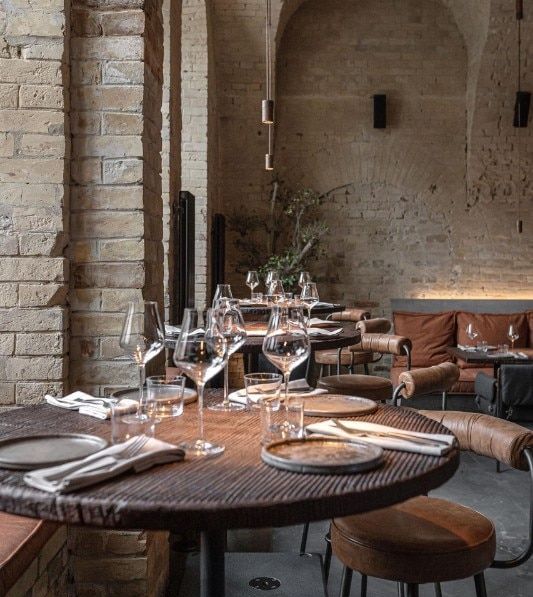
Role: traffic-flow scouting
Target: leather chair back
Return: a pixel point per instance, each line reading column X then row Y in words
column 374, row 326
column 351, row 314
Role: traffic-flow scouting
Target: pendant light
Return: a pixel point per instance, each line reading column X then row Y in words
column 267, row 105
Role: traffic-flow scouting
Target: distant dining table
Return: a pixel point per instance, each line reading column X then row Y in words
column 234, row 490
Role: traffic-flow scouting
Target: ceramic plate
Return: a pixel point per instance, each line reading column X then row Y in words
column 338, row 405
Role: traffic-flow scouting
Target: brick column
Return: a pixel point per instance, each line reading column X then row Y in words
column 33, row 199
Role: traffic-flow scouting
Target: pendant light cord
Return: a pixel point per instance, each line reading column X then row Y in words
column 268, row 53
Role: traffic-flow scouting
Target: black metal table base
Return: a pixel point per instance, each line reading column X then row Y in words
column 212, row 567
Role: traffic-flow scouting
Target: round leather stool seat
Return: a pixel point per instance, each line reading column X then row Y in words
column 329, row 357
column 422, row 540
column 365, row 386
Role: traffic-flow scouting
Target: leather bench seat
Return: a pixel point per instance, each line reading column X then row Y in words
column 464, row 385
column 422, row 540
column 21, row 541
column 365, row 386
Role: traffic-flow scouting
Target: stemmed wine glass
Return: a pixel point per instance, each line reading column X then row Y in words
column 272, row 276
column 513, row 335
column 471, row 332
column 309, row 297
column 252, row 280
column 201, row 352
column 286, row 344
column 303, row 279
column 276, row 291
column 231, row 323
column 142, row 338
column 223, row 291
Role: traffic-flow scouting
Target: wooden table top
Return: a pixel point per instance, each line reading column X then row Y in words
column 492, row 358
column 235, row 490
column 320, row 309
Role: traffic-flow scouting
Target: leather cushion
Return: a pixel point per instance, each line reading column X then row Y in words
column 486, row 435
column 385, row 343
column 350, row 314
column 22, row 539
column 329, row 357
column 374, row 326
column 517, row 385
column 419, row 541
column 464, row 385
column 365, row 386
column 430, row 335
column 438, row 378
column 491, row 327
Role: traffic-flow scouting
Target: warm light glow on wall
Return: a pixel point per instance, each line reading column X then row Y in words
column 511, row 294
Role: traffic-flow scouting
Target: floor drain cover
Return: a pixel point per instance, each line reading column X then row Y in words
column 265, row 583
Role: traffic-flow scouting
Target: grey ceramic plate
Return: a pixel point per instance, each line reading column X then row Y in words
column 39, row 451
column 338, row 405
column 329, row 456
column 189, row 395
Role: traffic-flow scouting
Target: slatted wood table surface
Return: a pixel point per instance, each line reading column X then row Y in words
column 235, row 490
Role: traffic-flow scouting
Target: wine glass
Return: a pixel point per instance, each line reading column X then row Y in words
column 252, row 280
column 201, row 352
column 286, row 344
column 471, row 332
column 513, row 335
column 272, row 276
column 303, row 279
column 142, row 338
column 309, row 297
column 231, row 323
column 276, row 291
column 223, row 291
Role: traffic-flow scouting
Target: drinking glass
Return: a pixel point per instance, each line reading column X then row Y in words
column 252, row 280
column 142, row 338
column 124, row 423
column 513, row 335
column 201, row 352
column 165, row 395
column 309, row 297
column 276, row 291
column 223, row 291
column 262, row 387
column 471, row 332
column 295, row 417
column 286, row 344
column 231, row 323
column 273, row 424
column 303, row 279
column 272, row 276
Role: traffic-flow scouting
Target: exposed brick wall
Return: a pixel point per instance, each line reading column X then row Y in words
column 33, row 199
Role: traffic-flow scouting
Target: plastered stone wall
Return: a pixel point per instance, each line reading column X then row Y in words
column 34, row 163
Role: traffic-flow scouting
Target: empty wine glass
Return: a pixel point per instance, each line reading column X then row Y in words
column 309, row 297
column 201, row 352
column 303, row 279
column 276, row 291
column 286, row 344
column 513, row 335
column 252, row 281
column 471, row 332
column 142, row 338
column 272, row 276
column 231, row 323
column 223, row 291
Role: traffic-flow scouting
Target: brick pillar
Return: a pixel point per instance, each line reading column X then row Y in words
column 116, row 180
column 33, row 199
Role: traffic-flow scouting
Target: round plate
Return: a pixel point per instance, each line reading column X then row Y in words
column 189, row 395
column 337, row 405
column 327, row 456
column 41, row 451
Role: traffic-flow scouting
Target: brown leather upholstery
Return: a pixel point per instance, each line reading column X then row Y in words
column 366, row 386
column 329, row 357
column 438, row 378
column 374, row 326
column 464, row 385
column 486, row 435
column 418, row 541
column 385, row 343
column 21, row 541
column 351, row 314
column 430, row 335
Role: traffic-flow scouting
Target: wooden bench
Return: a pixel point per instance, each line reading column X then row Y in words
column 21, row 540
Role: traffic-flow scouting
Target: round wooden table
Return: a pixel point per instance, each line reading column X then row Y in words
column 258, row 311
column 235, row 490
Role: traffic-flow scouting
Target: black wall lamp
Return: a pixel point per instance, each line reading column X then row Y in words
column 380, row 111
column 523, row 98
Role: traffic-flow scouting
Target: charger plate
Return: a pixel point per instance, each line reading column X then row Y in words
column 41, row 451
column 338, row 405
column 189, row 395
column 322, row 455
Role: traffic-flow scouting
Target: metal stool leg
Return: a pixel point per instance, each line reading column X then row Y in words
column 303, row 543
column 327, row 555
column 412, row 590
column 438, row 590
column 364, row 584
column 444, row 400
column 367, row 370
column 481, row 589
column 346, row 583
column 401, row 591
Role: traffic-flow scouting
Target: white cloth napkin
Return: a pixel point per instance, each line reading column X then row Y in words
column 466, row 348
column 85, row 404
column 317, row 321
column 389, row 443
column 322, row 332
column 240, row 397
column 103, row 465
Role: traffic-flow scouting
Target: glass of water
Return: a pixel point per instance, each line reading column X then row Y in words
column 165, row 396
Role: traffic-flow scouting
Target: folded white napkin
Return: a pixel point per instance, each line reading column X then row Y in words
column 240, row 397
column 137, row 454
column 317, row 321
column 443, row 443
column 322, row 332
column 322, row 304
column 85, row 404
column 466, row 348
column 172, row 330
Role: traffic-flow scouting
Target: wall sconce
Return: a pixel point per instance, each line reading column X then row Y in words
column 521, row 109
column 380, row 111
